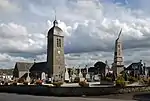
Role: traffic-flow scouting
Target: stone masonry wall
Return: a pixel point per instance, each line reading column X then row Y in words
column 71, row 91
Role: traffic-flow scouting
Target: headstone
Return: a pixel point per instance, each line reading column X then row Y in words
column 96, row 78
column 73, row 76
column 43, row 76
column 67, row 76
column 87, row 75
column 28, row 77
column 146, row 72
column 80, row 74
column 106, row 68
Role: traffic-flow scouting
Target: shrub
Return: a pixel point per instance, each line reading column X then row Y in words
column 148, row 83
column 38, row 82
column 32, row 82
column 25, row 83
column 6, row 83
column 2, row 82
column 57, row 84
column 145, row 81
column 132, row 79
column 83, row 84
column 14, row 83
column 21, row 80
column 108, row 79
column 120, row 82
column 76, row 80
column 48, row 82
column 67, row 81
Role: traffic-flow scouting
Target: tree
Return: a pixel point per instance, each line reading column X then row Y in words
column 99, row 64
column 100, row 67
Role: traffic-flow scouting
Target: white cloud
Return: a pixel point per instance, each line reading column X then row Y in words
column 16, row 38
column 6, row 5
column 90, row 28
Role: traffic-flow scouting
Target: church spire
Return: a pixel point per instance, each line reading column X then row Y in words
column 119, row 33
column 55, row 23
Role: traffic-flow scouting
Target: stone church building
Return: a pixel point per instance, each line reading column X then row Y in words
column 54, row 67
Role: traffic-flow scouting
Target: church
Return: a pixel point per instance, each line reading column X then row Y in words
column 54, row 67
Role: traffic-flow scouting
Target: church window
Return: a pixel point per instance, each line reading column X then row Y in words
column 58, row 42
column 118, row 46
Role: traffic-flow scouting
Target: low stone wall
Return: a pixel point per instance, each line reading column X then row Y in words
column 25, row 89
column 79, row 91
column 130, row 89
column 70, row 91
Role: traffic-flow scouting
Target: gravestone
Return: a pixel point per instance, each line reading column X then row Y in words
column 96, row 78
column 67, row 76
column 87, row 76
column 81, row 76
column 28, row 77
column 73, row 75
column 43, row 76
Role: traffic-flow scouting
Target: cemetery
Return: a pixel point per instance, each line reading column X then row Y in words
column 79, row 83
column 53, row 77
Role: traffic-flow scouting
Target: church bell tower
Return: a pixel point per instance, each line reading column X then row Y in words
column 55, row 53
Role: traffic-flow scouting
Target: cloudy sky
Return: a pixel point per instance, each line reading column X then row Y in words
column 90, row 29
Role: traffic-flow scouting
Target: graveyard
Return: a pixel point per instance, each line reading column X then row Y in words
column 53, row 77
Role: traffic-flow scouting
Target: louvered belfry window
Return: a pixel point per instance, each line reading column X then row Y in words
column 58, row 42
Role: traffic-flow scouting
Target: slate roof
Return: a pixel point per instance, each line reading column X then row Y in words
column 40, row 66
column 23, row 66
column 133, row 65
column 55, row 29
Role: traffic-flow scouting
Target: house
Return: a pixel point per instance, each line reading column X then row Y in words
column 135, row 69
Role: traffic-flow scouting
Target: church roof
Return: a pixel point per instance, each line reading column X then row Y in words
column 56, row 28
column 23, row 66
column 40, row 66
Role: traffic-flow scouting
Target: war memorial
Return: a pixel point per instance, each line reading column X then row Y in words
column 54, row 78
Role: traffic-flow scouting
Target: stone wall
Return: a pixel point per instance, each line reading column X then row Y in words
column 79, row 91
column 134, row 89
column 70, row 91
column 23, row 89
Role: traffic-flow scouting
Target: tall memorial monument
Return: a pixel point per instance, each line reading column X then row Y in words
column 118, row 64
